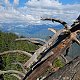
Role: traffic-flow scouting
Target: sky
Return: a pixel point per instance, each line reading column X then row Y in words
column 31, row 11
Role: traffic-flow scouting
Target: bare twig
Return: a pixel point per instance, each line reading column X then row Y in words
column 78, row 31
column 57, row 20
column 74, row 37
column 33, row 40
column 77, row 41
column 12, row 71
column 16, row 51
column 17, row 76
column 65, row 59
column 24, row 70
column 53, row 30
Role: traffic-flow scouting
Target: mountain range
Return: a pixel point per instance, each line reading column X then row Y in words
column 22, row 29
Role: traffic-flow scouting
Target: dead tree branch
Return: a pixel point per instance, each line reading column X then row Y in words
column 74, row 37
column 24, row 70
column 66, row 60
column 33, row 40
column 53, row 30
column 12, row 71
column 43, row 66
column 16, row 51
column 43, row 48
column 59, row 21
column 17, row 76
column 66, row 71
column 57, row 48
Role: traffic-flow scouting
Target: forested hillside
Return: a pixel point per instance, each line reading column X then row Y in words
column 8, row 43
column 12, row 60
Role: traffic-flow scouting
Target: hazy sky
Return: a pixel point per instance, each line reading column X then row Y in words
column 30, row 11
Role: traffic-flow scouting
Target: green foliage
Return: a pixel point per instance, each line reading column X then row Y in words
column 7, row 42
column 9, row 77
column 58, row 63
column 26, row 46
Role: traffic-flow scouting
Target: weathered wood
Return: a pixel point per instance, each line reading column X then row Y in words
column 16, row 51
column 59, row 21
column 33, row 40
column 53, row 30
column 41, row 67
column 65, row 59
column 49, row 43
column 66, row 71
column 17, row 76
column 43, row 48
column 12, row 71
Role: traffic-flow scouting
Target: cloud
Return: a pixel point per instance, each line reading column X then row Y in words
column 7, row 2
column 16, row 2
column 44, row 3
column 14, row 16
column 35, row 9
column 53, row 8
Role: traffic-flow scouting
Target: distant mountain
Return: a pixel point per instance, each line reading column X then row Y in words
column 28, row 30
